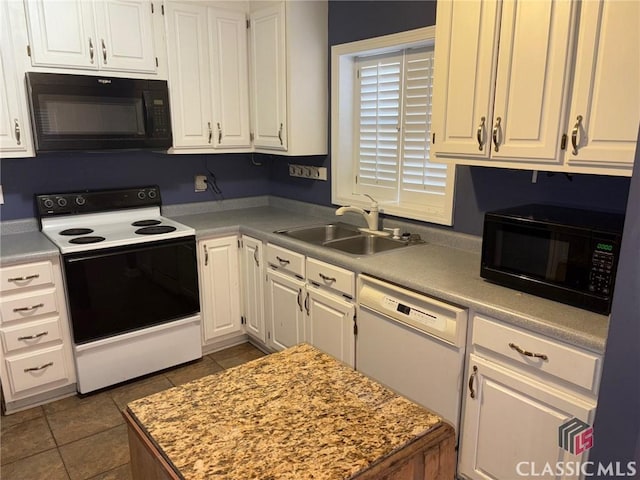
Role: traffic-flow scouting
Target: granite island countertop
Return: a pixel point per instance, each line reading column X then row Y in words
column 290, row 415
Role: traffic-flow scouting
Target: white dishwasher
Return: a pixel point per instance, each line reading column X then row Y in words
column 412, row 344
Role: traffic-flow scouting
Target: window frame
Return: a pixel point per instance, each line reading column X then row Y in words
column 343, row 118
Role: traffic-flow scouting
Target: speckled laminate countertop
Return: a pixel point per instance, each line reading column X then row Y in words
column 291, row 415
column 437, row 268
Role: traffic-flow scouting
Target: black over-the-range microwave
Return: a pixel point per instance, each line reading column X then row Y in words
column 564, row 254
column 81, row 112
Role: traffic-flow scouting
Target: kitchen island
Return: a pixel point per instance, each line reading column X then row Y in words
column 297, row 414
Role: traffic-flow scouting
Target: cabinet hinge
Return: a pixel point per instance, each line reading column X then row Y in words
column 563, row 142
column 251, row 136
column 28, row 50
column 162, row 9
column 248, row 23
column 156, row 61
column 243, row 320
column 356, row 179
column 239, row 243
column 152, row 8
column 433, row 139
column 269, row 335
column 358, row 73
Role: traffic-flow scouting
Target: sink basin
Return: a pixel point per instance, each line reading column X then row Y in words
column 320, row 234
column 365, row 244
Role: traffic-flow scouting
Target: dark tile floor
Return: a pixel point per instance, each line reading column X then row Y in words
column 86, row 438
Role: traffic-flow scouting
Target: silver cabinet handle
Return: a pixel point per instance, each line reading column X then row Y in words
column 41, row 367
column 28, row 309
column 104, row 51
column 574, row 135
column 206, row 256
column 280, row 135
column 33, row 337
column 219, row 134
column 255, row 257
column 299, row 298
column 527, row 353
column 480, row 134
column 495, row 134
column 472, row 392
column 306, row 304
column 91, row 49
column 283, row 261
column 16, row 129
column 210, row 131
column 23, row 279
column 327, row 279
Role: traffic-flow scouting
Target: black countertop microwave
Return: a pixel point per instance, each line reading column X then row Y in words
column 81, row 112
column 564, row 254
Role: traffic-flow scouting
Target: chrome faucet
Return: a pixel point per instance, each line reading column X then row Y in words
column 371, row 217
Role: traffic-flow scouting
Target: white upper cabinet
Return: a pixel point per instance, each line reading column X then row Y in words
column 500, row 97
column 229, row 71
column 517, row 82
column 110, row 35
column 15, row 131
column 208, row 77
column 605, row 106
column 289, row 76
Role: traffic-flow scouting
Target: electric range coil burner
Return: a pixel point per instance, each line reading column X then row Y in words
column 73, row 232
column 155, row 230
column 146, row 223
column 84, row 240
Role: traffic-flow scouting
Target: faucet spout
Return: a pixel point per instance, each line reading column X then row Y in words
column 371, row 217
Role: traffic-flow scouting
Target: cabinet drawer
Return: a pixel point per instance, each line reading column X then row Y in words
column 562, row 361
column 31, row 371
column 20, row 307
column 330, row 276
column 34, row 333
column 285, row 260
column 22, row 276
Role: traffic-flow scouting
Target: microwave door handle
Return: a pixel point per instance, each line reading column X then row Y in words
column 148, row 113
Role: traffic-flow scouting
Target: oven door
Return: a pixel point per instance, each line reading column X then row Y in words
column 123, row 289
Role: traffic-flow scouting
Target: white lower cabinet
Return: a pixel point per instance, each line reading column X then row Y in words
column 36, row 359
column 285, row 310
column 521, row 389
column 219, row 288
column 253, row 283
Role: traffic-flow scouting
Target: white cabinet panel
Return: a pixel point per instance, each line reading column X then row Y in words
column 285, row 310
column 253, row 287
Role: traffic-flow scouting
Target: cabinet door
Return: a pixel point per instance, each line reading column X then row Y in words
column 15, row 139
column 531, row 79
column 125, row 35
column 220, row 287
column 190, row 85
column 253, row 287
column 268, row 70
column 606, row 87
column 513, row 423
column 465, row 59
column 62, row 34
column 229, row 71
column 331, row 324
column 285, row 310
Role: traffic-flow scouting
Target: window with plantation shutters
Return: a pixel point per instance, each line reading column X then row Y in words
column 381, row 140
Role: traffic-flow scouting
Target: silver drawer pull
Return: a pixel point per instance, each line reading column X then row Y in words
column 23, row 279
column 527, row 353
column 472, row 377
column 327, row 279
column 41, row 367
column 33, row 337
column 283, row 261
column 28, row 309
column 574, row 135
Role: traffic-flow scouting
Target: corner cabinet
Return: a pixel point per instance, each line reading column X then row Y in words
column 15, row 128
column 289, row 76
column 106, row 35
column 521, row 389
column 208, row 76
column 219, row 289
column 504, row 99
column 253, row 283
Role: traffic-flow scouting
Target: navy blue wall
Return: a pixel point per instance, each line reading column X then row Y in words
column 477, row 189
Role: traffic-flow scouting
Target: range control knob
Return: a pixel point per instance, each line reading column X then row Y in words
column 62, row 202
column 152, row 194
column 142, row 195
column 80, row 200
column 47, row 202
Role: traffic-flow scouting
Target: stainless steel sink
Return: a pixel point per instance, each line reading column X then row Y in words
column 320, row 234
column 365, row 244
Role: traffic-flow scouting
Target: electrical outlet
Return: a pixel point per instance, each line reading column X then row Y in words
column 200, row 183
column 308, row 171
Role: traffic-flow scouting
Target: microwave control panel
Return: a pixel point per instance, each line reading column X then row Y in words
column 602, row 265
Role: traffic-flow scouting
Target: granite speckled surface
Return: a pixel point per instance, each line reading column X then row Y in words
column 291, row 415
column 435, row 269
